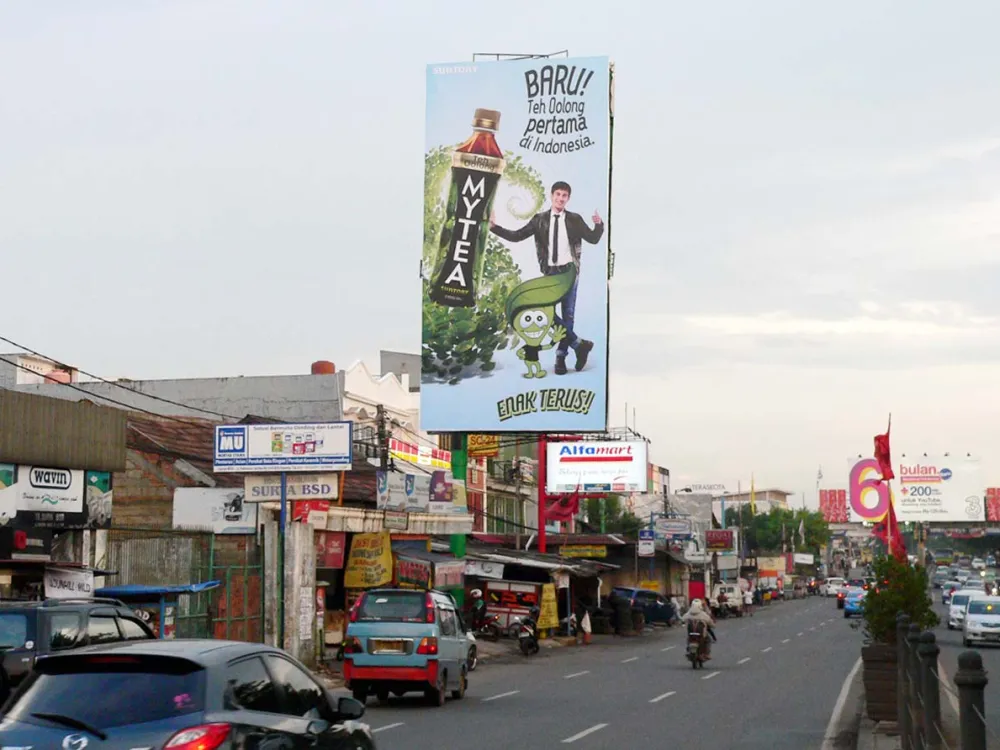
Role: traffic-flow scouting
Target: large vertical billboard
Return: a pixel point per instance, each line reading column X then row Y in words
column 515, row 252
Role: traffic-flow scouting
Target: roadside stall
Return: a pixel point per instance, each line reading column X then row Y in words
column 157, row 606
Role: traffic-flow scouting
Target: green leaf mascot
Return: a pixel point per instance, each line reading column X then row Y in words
column 531, row 313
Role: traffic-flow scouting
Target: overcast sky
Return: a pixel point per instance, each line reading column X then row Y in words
column 806, row 206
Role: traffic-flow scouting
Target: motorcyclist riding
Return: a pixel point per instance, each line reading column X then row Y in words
column 478, row 608
column 697, row 614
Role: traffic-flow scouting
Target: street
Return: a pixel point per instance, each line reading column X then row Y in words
column 772, row 683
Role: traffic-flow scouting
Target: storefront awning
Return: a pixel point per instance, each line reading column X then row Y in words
column 134, row 589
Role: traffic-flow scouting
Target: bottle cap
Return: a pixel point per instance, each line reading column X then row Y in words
column 488, row 119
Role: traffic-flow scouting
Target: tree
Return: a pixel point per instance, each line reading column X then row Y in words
column 617, row 520
column 763, row 531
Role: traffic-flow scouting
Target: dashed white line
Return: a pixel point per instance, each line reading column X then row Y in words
column 387, row 726
column 576, row 674
column 765, row 650
column 668, row 648
column 710, row 675
column 501, row 695
column 811, row 629
column 584, row 733
column 744, row 660
column 800, row 635
column 786, row 640
column 659, row 698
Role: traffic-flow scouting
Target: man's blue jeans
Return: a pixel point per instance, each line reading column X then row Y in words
column 566, row 319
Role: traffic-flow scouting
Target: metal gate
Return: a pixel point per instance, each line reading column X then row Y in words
column 156, row 557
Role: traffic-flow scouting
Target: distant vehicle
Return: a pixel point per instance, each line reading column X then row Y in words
column 956, row 609
column 949, row 588
column 991, row 561
column 943, row 556
column 978, row 563
column 854, row 602
column 965, row 561
column 962, row 575
column 30, row 629
column 846, row 592
column 941, row 575
column 179, row 694
column 982, row 621
column 655, row 607
column 831, row 586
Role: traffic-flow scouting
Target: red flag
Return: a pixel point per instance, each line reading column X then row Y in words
column 882, row 454
column 897, row 547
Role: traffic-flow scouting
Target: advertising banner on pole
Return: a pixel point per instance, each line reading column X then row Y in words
column 720, row 540
column 606, row 466
column 930, row 488
column 647, row 543
column 515, row 250
column 263, row 448
column 833, row 506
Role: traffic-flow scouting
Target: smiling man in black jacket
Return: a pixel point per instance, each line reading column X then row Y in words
column 559, row 235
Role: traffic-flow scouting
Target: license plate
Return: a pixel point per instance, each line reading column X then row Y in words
column 388, row 647
column 992, row 637
column 524, row 634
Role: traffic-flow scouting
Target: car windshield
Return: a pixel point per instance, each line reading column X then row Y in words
column 392, row 606
column 111, row 691
column 980, row 607
column 13, row 630
column 856, row 583
column 959, row 600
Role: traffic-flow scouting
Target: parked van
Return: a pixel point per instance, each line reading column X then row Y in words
column 405, row 640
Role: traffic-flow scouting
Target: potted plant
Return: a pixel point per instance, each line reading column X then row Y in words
column 898, row 588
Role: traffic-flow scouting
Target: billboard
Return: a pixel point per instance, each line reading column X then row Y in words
column 402, row 492
column 926, row 489
column 220, row 509
column 833, row 506
column 605, row 466
column 263, row 448
column 515, row 265
column 56, row 498
column 264, row 488
column 720, row 540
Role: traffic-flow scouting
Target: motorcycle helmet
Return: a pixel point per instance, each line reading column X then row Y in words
column 476, row 594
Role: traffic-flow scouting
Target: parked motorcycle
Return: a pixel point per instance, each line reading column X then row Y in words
column 528, row 634
column 697, row 645
column 489, row 628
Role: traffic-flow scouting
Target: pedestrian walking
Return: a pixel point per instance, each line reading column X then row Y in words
column 748, row 601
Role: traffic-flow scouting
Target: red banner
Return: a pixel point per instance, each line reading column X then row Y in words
column 993, row 504
column 329, row 548
column 833, row 506
column 719, row 540
column 301, row 509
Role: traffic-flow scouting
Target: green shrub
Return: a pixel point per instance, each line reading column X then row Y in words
column 899, row 588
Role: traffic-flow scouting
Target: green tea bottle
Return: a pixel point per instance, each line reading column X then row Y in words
column 476, row 167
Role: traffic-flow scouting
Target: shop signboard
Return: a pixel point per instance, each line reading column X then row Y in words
column 329, row 548
column 54, row 497
column 25, row 544
column 449, row 574
column 483, row 569
column 413, row 573
column 929, row 489
column 549, row 608
column 263, row 448
column 266, row 488
column 801, row 558
column 673, row 528
column 515, row 237
column 68, row 583
column 596, row 466
column 720, row 540
column 220, row 510
column 402, row 492
column 397, row 520
column 647, row 543
column 484, row 446
column 584, row 550
column 421, row 455
column 447, row 494
column 369, row 563
column 314, row 512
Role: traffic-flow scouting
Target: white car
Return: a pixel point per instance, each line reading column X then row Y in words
column 956, row 610
column 978, row 563
column 982, row 620
column 962, row 576
column 832, row 586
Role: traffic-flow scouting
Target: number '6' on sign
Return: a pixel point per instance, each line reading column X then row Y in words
column 869, row 496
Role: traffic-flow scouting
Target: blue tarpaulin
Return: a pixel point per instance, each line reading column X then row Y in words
column 135, row 593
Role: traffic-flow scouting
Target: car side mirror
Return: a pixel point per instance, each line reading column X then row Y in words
column 348, row 708
column 316, row 727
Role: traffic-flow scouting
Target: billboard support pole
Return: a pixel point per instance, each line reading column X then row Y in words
column 543, row 442
column 282, row 523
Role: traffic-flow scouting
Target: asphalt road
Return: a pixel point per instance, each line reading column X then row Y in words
column 772, row 683
column 950, row 642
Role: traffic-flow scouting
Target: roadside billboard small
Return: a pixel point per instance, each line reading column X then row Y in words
column 673, row 528
column 596, row 466
column 720, row 540
column 263, row 448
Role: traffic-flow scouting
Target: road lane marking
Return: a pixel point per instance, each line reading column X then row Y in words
column 710, row 675
column 800, row 635
column 786, row 640
column 744, row 660
column 811, row 629
column 584, row 733
column 501, row 695
column 576, row 674
column 668, row 648
column 626, row 661
column 765, row 650
column 659, row 698
column 387, row 726
column 830, row 738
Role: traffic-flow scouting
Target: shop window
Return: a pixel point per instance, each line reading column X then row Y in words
column 65, row 630
column 102, row 630
column 249, row 686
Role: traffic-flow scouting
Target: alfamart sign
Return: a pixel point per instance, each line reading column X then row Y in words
column 606, row 466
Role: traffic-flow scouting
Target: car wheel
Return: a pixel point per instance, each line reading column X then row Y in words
column 437, row 695
column 360, row 695
column 462, row 685
column 846, row 616
column 473, row 659
column 383, row 696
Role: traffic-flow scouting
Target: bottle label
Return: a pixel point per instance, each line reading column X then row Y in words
column 474, row 179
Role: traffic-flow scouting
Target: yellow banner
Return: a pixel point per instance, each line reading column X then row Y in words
column 649, row 585
column 583, row 550
column 484, row 446
column 370, row 562
column 549, row 617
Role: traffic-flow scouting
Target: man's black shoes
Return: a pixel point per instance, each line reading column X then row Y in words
column 582, row 352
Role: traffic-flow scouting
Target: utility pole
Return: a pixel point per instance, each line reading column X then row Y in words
column 517, row 493
column 383, row 438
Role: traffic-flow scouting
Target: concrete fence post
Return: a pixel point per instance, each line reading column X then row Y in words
column 930, row 688
column 971, row 682
column 902, row 681
column 913, row 685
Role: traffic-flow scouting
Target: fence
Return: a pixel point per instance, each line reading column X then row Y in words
column 919, row 693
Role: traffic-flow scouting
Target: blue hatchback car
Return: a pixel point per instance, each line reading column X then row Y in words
column 854, row 602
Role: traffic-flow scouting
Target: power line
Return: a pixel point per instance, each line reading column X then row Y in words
column 109, row 382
